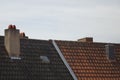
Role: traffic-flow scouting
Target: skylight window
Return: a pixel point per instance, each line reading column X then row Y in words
column 44, row 59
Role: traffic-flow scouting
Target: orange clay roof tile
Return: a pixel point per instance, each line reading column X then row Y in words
column 89, row 60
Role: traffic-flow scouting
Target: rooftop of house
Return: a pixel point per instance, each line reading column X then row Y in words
column 90, row 61
column 38, row 61
column 57, row 59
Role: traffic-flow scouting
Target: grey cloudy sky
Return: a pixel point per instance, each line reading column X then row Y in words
column 63, row 19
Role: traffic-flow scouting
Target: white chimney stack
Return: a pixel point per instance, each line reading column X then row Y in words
column 12, row 41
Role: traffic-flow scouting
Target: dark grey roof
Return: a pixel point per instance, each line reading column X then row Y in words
column 31, row 66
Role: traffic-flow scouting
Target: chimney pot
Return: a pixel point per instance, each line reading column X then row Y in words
column 10, row 26
column 13, row 26
column 22, row 34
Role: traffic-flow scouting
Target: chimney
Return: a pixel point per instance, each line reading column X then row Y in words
column 12, row 41
column 86, row 39
column 110, row 51
column 23, row 36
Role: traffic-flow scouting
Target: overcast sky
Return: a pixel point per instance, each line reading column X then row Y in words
column 63, row 19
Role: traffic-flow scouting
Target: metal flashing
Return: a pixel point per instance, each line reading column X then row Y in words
column 64, row 60
column 18, row 58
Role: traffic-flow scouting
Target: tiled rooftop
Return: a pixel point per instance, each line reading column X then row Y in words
column 22, row 58
column 31, row 66
column 89, row 60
